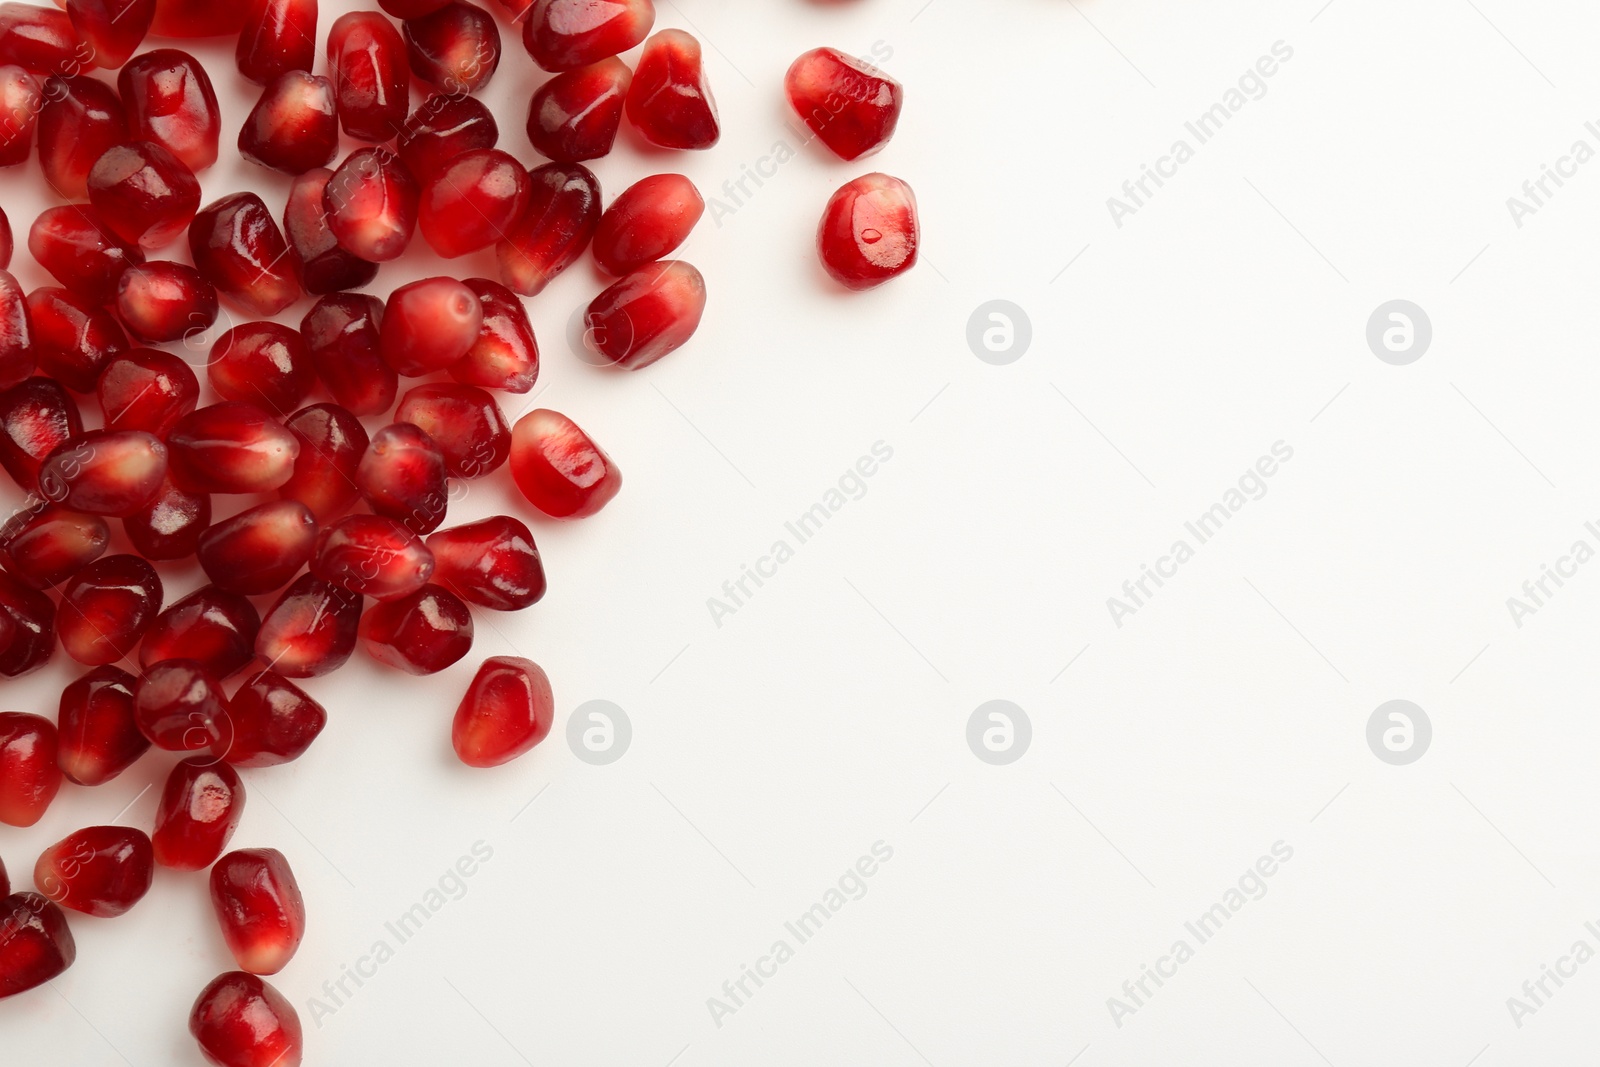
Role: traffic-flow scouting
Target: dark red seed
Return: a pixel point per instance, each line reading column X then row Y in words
column 211, row 626
column 105, row 472
column 169, row 527
column 16, row 333
column 99, row 737
column 647, row 314
column 371, row 203
column 559, row 468
column 40, row 39
column 670, row 102
column 231, row 447
column 181, row 708
column 146, row 195
column 505, row 355
column 852, row 106
column 80, row 119
column 454, row 49
column 332, row 442
column 343, row 332
column 429, row 325
column 198, row 18
column 20, row 102
column 422, row 633
column 563, row 213
column 111, row 28
column 241, row 1021
column 508, row 709
column 106, row 608
column 170, row 101
column 38, row 946
column 148, row 390
column 274, row 721
column 574, row 116
column 74, row 338
column 80, row 248
column 294, row 125
column 493, row 563
column 648, row 221
column 404, row 477
column 238, row 248
column 264, row 363
column 324, row 266
column 32, row 638
column 99, row 870
column 36, row 416
column 464, row 421
column 278, row 36
column 162, row 301
column 311, row 630
column 371, row 555
column 200, row 808
column 567, row 34
column 473, row 202
column 258, row 550
column 869, row 232
column 44, row 545
column 443, row 128
column 259, row 907
column 371, row 75
column 29, row 777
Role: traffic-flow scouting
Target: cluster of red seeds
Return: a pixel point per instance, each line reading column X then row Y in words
column 132, row 153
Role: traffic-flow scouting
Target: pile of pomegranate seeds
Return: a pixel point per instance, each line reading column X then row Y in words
column 344, row 538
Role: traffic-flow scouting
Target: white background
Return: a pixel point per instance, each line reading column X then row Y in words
column 830, row 712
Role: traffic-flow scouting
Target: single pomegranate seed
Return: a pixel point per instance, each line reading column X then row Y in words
column 36, row 416
column 99, row 870
column 371, row 555
column 41, row 39
column 32, row 628
column 454, row 49
column 403, row 476
column 37, row 945
column 852, row 106
column 78, row 247
column 464, row 421
column 274, row 721
column 670, row 101
column 279, row 36
column 294, row 126
column 164, row 301
column 259, row 907
column 147, row 390
column 241, row 1021
column 505, row 355
column 563, row 213
column 211, row 626
column 568, row 34
column 371, row 203
column 44, row 545
column 472, row 202
column 169, row 527
column 80, row 119
column 869, row 232
column 200, row 808
column 420, row 634
column 16, row 333
column 170, row 101
column 29, row 777
column 238, row 248
column 263, row 363
column 144, row 193
column 231, row 447
column 332, row 442
column 259, row 550
column 198, row 18
column 371, row 75
column 181, row 708
column 493, row 563
column 311, row 630
column 647, row 314
column 648, row 221
column 74, row 338
column 442, row 129
column 507, row 710
column 111, row 28
column 99, row 737
column 20, row 102
column 324, row 266
column 429, row 325
column 105, row 472
column 106, row 608
column 574, row 116
column 559, row 468
column 342, row 332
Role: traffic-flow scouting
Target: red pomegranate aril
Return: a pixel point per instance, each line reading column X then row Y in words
column 371, row 203
column 441, row 130
column 332, row 442
column 371, row 75
column 574, row 116
column 105, row 472
column 278, row 36
column 311, row 630
column 36, row 416
column 492, row 563
column 29, row 777
column 238, row 248
column 563, row 213
column 37, row 946
column 264, row 363
column 651, row 219
column 211, row 626
column 343, row 332
column 324, row 266
column 99, row 870
column 170, row 101
column 371, row 555
column 80, row 119
column 74, row 338
column 259, row 907
column 428, row 325
column 258, row 550
column 20, row 102
column 44, row 545
column 508, row 709
column 404, row 476
column 16, row 333
column 181, row 708
column 420, row 634
column 505, row 355
column 274, row 721
column 111, row 28
column 198, row 18
column 670, row 101
column 568, row 34
column 79, row 248
column 646, row 315
column 99, row 737
column 559, row 468
column 162, row 301
column 464, row 421
column 106, row 608
column 294, row 125
column 201, row 806
column 146, row 195
column 454, row 49
column 231, row 447
column 148, row 390
column 851, row 105
column 869, row 232
column 241, row 1021
column 169, row 527
column 32, row 628
column 40, row 39
column 473, row 202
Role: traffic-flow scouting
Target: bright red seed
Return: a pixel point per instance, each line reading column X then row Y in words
column 231, row 447
column 371, row 74
column 404, row 476
column 311, row 630
column 198, row 18
column 443, row 128
column 170, row 101
column 200, row 808
column 106, row 608
column 343, row 331
column 259, row 908
column 559, row 468
column 169, row 527
column 454, row 49
column 79, row 247
column 371, row 555
column 80, row 119
column 278, row 36
column 44, row 545
column 648, row 221
column 420, row 634
column 324, row 266
column 274, row 721
column 40, row 39
column 98, row 736
column 260, row 549
column 568, row 34
column 852, row 106
column 19, row 114
column 371, row 204
column 238, row 248
column 241, row 1021
column 464, row 421
column 263, row 363
column 37, row 946
column 144, row 193
column 148, row 390
column 869, row 232
column 574, row 116
column 294, row 125
column 162, row 301
column 181, row 708
column 428, row 325
column 73, row 337
column 16, row 333
column 493, row 563
column 505, row 355
column 563, row 213
column 112, row 28
column 473, row 202
column 32, row 629
column 36, row 416
column 211, row 626
column 507, row 710
column 670, row 102
column 99, row 870
column 29, row 777
column 332, row 442
column 647, row 314
column 105, row 472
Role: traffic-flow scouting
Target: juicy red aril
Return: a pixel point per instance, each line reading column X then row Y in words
column 311, row 630
column 420, row 634
column 106, row 608
column 32, row 628
column 198, row 18
column 44, row 544
column 259, row 550
column 371, row 203
column 170, row 101
column 332, row 442
column 649, row 220
column 105, row 472
column 670, row 100
column 852, row 106
column 567, row 34
column 263, row 363
column 29, row 777
column 241, row 1021
column 36, row 416
column 148, row 390
column 19, row 114
column 464, row 421
column 342, row 331
column 211, row 626
column 647, row 314
column 74, row 338
column 507, row 710
column 404, row 476
column 259, row 907
column 324, row 266
column 274, row 721
column 37, row 946
column 443, row 128
column 294, row 126
column 80, row 119
column 200, row 808
column 238, row 248
column 99, row 870
column 559, row 468
column 563, row 213
column 869, row 232
column 278, row 36
column 146, row 195
column 180, row 708
column 169, row 527
column 231, row 448
column 111, row 28
column 574, row 116
column 40, row 39
column 371, row 75
column 371, row 555
column 505, row 355
column 16, row 333
column 428, row 325
column 472, row 202
column 493, row 563
column 77, row 245
column 454, row 49
column 164, row 301
column 98, row 736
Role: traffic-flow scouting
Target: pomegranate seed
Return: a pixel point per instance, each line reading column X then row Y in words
column 238, row 248
column 74, row 338
column 29, row 777
column 241, row 1021
column 428, row 325
column 420, row 634
column 294, row 126
column 32, row 629
column 648, row 221
column 371, row 555
column 403, row 476
column 36, row 416
column 37, row 945
column 259, row 907
column 568, row 34
column 16, row 333
column 505, row 355
column 852, row 106
column 78, row 247
column 493, row 563
column 332, row 442
column 311, row 630
column 454, row 49
column 164, row 301
column 324, row 266
column 263, row 363
column 670, row 101
column 19, row 114
column 198, row 18
column 201, row 805
column 40, row 39
column 146, row 195
column 563, row 213
column 559, row 468
column 80, row 119
column 869, row 232
column 371, row 203
column 279, row 36
column 111, row 28
column 99, row 870
column 180, row 708
column 106, row 608
column 472, row 202
column 274, row 721
column 147, row 390
column 647, row 314
column 99, row 737
column 231, row 447
column 574, row 116
column 507, row 710
column 211, row 626
column 370, row 72
column 169, row 527
column 342, row 332
column 170, row 101
column 105, row 472
column 45, row 545
column 442, row 129
column 259, row 550
column 464, row 421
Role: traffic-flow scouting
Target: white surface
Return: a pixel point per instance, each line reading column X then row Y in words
column 830, row 713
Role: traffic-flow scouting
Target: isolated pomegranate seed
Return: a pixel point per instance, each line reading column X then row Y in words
column 274, row 721
column 464, row 421
column 44, row 545
column 454, row 49
column 507, row 710
column 111, row 28
column 342, row 332
column 420, row 634
column 869, row 232
column 29, row 777
column 146, row 195
column 99, row 870
column 37, row 946
column 105, row 472
column 264, row 363
column 259, row 908
column 73, row 337
column 36, row 416
column 647, row 314
column 574, row 116
column 211, row 626
column 32, row 629
column 20, row 102
column 559, row 468
column 563, row 213
column 648, row 221
column 260, row 549
column 181, row 708
column 162, row 301
column 238, row 248
column 670, row 101
column 98, row 736
column 568, row 34
column 851, row 105
column 231, row 447
column 505, row 355
column 200, row 808
column 40, row 39
column 472, row 202
column 311, row 630
column 493, row 563
column 428, row 325
column 371, row 203
column 198, row 18
column 371, row 555
column 148, row 390
column 16, row 333
column 77, row 246
column 371, row 75
column 332, row 442
column 403, row 476
column 241, row 1021
column 324, row 266
column 169, row 527
column 80, row 119
column 278, row 36
column 294, row 125
column 170, row 101
column 443, row 128
column 106, row 608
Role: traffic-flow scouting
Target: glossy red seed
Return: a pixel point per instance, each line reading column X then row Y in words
column 237, row 247
column 106, row 608
column 324, row 266
column 428, row 325
column 505, row 355
column 264, row 363
column 105, row 472
column 44, row 545
column 41, row 39
column 332, row 442
column 342, row 332
column 278, row 36
column 568, row 34
column 258, row 550
column 563, row 213
column 36, row 416
column 508, row 709
column 371, row 203
column 648, row 221
column 294, row 125
column 464, row 421
column 169, row 527
column 231, row 447
column 74, row 338
column 274, row 721
column 99, row 737
column 170, row 101
column 29, row 777
column 371, row 75
column 80, row 119
column 20, row 102
column 454, row 49
column 163, row 301
column 574, row 116
column 371, row 555
column 211, row 626
column 492, row 563
column 259, row 908
column 559, row 468
column 144, row 193
column 670, row 101
column 181, row 708
column 647, row 314
column 37, row 946
column 99, row 870
column 32, row 628
column 473, row 202
column 851, row 105
column 311, row 630
column 403, row 476
column 148, row 390
column 422, row 633
column 241, row 1021
column 80, row 248
column 198, row 18
column 869, row 232
column 443, row 128
column 200, row 808
column 112, row 28
column 16, row 333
